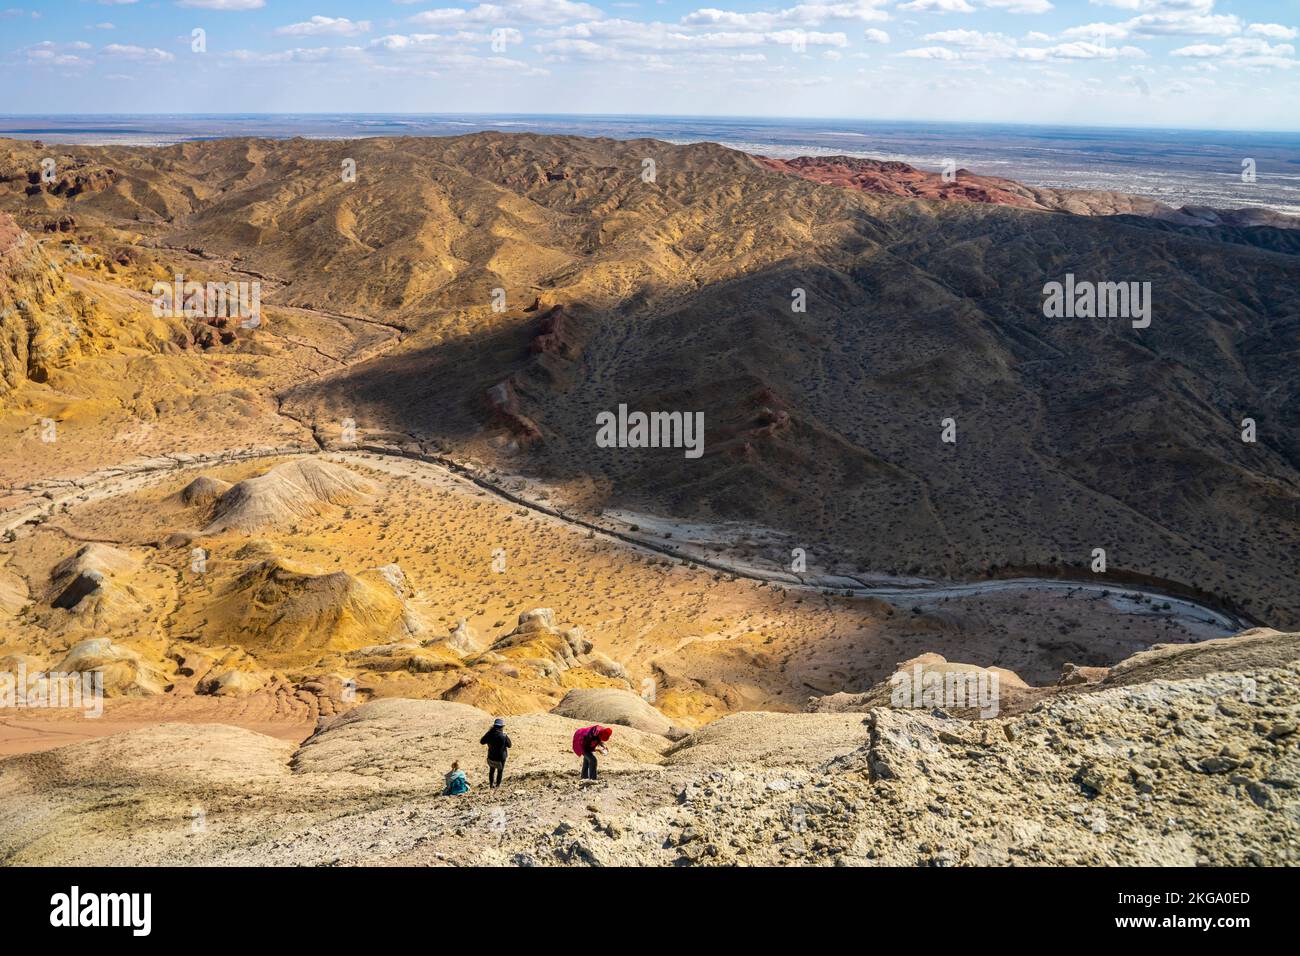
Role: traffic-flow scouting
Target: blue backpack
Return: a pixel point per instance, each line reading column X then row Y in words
column 456, row 785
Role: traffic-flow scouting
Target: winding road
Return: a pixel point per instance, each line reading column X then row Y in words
column 110, row 482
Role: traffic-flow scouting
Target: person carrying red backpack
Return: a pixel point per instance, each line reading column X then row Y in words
column 587, row 742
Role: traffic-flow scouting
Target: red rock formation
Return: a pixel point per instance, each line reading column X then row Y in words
column 900, row 179
column 551, row 338
column 75, row 181
column 505, row 406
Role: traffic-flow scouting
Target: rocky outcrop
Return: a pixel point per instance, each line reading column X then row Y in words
column 87, row 575
column 44, row 323
column 504, row 403
column 928, row 681
column 463, row 640
column 220, row 671
column 536, row 642
column 72, row 181
column 553, row 336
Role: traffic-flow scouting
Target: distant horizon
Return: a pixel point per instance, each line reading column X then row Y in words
column 1176, row 166
column 804, row 119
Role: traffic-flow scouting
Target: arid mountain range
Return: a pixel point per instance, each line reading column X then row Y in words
column 677, row 294
column 380, row 484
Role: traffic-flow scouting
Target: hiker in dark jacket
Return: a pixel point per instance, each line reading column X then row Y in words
column 498, row 745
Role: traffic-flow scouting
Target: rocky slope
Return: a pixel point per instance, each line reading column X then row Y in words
column 1196, row 762
column 44, row 323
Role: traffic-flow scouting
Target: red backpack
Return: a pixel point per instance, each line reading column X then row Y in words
column 580, row 735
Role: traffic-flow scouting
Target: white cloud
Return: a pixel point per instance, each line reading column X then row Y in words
column 977, row 45
column 223, row 4
column 1184, row 25
column 296, row 55
column 47, row 53
column 972, row 39
column 804, row 14
column 1274, row 31
column 664, row 37
column 1021, row 6
column 1154, row 25
column 930, row 53
column 872, row 35
column 138, row 54
column 1098, row 31
column 528, row 11
column 937, row 6
column 416, row 54
column 1244, row 51
column 325, row 26
column 1158, row 6
column 1080, row 50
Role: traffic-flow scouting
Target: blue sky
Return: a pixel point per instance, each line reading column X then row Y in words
column 1183, row 63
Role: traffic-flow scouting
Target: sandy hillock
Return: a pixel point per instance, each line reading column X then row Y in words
column 220, row 671
column 91, row 577
column 203, row 491
column 100, row 589
column 125, row 671
column 290, row 491
column 615, row 706
column 1202, row 769
column 539, row 644
column 529, row 668
column 276, row 607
